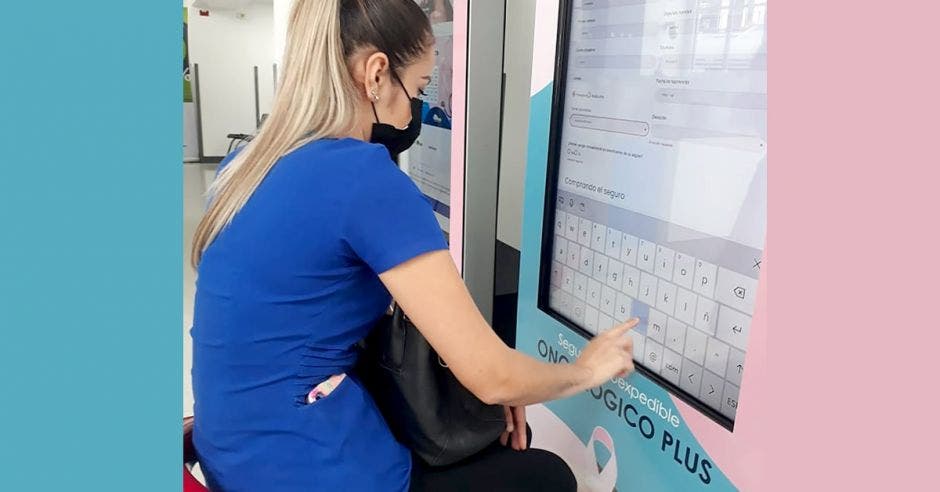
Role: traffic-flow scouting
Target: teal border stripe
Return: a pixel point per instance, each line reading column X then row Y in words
column 90, row 262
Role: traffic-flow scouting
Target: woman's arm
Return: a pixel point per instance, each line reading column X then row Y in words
column 431, row 292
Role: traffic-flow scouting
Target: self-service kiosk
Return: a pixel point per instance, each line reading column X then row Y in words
column 646, row 197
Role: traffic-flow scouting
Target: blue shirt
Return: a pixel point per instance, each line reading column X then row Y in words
column 282, row 297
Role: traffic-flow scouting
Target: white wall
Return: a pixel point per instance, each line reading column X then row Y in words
column 227, row 46
column 281, row 17
column 520, row 19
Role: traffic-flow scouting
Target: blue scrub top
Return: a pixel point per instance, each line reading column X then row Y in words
column 282, row 297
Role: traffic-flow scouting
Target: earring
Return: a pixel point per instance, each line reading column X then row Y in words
column 375, row 97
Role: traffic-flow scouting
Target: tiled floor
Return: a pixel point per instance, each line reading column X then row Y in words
column 196, row 178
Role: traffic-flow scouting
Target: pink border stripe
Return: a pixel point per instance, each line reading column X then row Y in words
column 459, row 132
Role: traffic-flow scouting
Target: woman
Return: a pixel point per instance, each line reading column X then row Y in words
column 310, row 228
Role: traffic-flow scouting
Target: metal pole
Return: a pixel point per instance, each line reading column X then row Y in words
column 275, row 79
column 197, row 98
column 257, row 100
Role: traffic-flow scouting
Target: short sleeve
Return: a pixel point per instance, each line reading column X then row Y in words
column 389, row 221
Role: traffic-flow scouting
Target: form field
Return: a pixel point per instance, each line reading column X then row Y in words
column 685, row 62
column 614, row 125
column 704, row 136
column 736, row 100
column 623, row 62
column 604, row 4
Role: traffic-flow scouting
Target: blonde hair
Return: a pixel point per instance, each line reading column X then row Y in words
column 317, row 97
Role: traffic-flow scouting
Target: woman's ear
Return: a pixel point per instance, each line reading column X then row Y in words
column 376, row 76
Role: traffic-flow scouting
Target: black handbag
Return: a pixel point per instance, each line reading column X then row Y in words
column 424, row 404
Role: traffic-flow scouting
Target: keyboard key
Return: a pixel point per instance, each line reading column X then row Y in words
column 580, row 286
column 664, row 261
column 571, row 227
column 695, row 345
column 641, row 311
column 577, row 312
column 736, row 290
column 631, row 281
column 666, row 297
column 628, row 249
column 586, row 265
column 567, row 280
column 716, row 356
column 574, row 254
column 554, row 299
column 599, row 237
column 712, row 387
column 557, row 274
column 646, row 256
column 585, row 227
column 564, row 304
column 657, row 326
column 705, row 278
column 706, row 315
column 612, row 246
column 735, row 366
column 623, row 308
column 685, row 306
column 604, row 323
column 560, row 222
column 684, row 271
column 561, row 249
column 590, row 320
column 733, row 327
column 567, row 303
column 691, row 380
column 594, row 293
column 600, row 267
column 675, row 335
column 729, row 401
column 654, row 356
column 614, row 274
column 647, row 292
column 639, row 343
column 581, row 205
column 672, row 366
column 608, row 300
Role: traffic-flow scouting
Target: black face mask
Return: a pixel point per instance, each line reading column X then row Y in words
column 394, row 139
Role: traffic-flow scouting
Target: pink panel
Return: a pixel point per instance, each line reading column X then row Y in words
column 458, row 131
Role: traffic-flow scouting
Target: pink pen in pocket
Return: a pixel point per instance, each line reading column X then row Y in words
column 324, row 389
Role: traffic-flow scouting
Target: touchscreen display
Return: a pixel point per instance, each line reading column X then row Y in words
column 657, row 182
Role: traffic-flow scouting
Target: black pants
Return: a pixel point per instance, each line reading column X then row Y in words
column 497, row 469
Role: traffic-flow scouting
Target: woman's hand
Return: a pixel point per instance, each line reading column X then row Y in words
column 515, row 432
column 609, row 354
